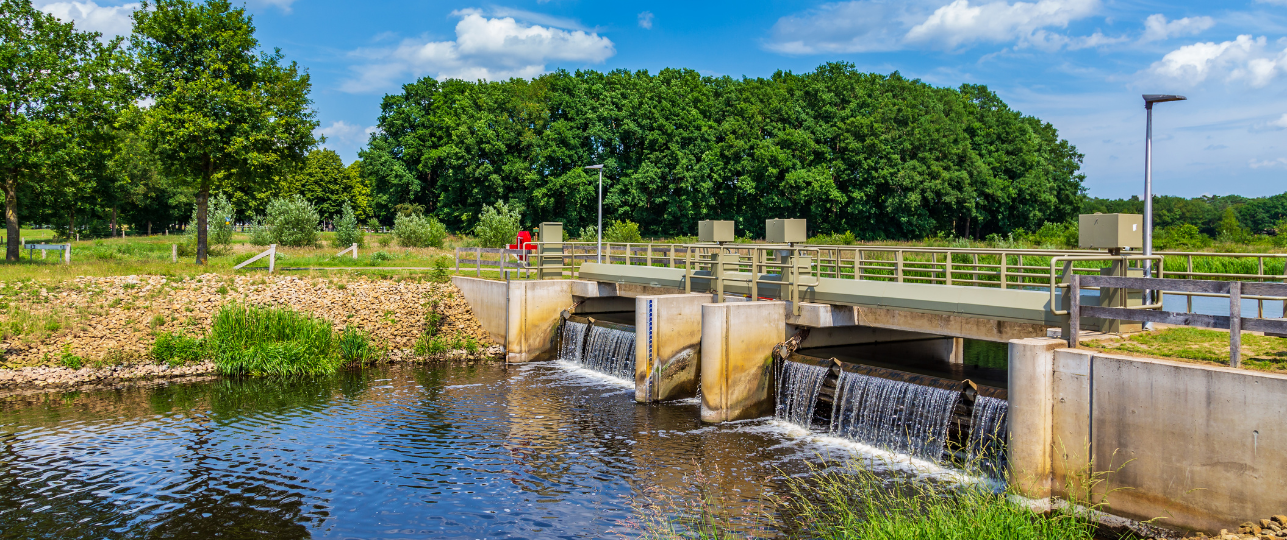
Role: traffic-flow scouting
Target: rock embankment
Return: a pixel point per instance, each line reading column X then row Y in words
column 1273, row 528
column 44, row 378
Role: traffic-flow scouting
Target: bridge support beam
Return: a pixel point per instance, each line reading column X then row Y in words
column 736, row 360
column 668, row 346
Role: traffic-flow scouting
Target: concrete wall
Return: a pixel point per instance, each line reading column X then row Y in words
column 1201, row 447
column 737, row 366
column 668, row 346
column 534, row 313
column 1204, row 447
column 486, row 299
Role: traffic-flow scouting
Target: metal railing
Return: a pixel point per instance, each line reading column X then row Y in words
column 1023, row 269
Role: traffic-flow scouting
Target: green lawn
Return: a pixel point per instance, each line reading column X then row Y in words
column 1201, row 345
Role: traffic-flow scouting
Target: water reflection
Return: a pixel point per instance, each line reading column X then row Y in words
column 530, row 452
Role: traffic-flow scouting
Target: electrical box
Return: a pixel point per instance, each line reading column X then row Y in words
column 715, row 231
column 785, row 231
column 1110, row 231
column 550, row 231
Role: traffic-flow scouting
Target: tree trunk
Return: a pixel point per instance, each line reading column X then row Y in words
column 114, row 231
column 149, row 228
column 11, row 252
column 203, row 200
column 71, row 224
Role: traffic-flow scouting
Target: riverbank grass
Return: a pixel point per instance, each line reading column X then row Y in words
column 1200, row 345
column 254, row 340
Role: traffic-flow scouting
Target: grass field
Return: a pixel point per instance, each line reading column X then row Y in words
column 1200, row 345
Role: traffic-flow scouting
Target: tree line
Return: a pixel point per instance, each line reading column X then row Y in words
column 98, row 134
column 880, row 155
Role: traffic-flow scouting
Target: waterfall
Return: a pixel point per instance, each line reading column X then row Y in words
column 571, row 340
column 610, row 351
column 986, row 446
column 798, row 386
column 895, row 415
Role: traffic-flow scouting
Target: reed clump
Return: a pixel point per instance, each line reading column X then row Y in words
column 851, row 501
column 253, row 340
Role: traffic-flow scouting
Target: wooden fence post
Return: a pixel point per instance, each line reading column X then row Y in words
column 1235, row 323
column 457, row 259
column 1074, row 311
column 478, row 262
column 272, row 258
column 174, row 252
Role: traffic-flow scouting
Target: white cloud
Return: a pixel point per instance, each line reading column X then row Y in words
column 1281, row 122
column 1157, row 28
column 959, row 23
column 1259, row 164
column 1246, row 58
column 846, row 27
column 645, row 20
column 109, row 20
column 345, row 134
column 877, row 25
column 485, row 48
column 1097, row 39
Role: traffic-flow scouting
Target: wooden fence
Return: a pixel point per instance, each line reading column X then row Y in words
column 1234, row 322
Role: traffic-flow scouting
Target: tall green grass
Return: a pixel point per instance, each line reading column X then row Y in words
column 253, row 340
column 852, row 502
column 855, row 503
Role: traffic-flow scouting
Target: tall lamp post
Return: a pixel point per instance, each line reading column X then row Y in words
column 1149, row 100
column 598, row 250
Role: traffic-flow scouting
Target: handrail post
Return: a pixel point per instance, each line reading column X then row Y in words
column 1074, row 312
column 478, row 261
column 457, row 259
column 898, row 265
column 949, row 267
column 1004, row 261
column 755, row 274
column 688, row 270
column 650, row 255
column 1235, row 323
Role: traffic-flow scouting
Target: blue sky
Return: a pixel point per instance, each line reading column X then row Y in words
column 1078, row 64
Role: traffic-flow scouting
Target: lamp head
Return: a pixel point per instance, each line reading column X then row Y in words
column 1150, row 99
column 599, row 166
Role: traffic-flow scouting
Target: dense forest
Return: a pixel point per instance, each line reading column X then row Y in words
column 107, row 137
column 879, row 155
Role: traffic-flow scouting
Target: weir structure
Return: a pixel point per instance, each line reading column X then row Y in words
column 874, row 343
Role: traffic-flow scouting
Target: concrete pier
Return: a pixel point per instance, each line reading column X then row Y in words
column 668, row 344
column 737, row 363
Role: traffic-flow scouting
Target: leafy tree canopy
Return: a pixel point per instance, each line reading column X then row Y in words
column 882, row 156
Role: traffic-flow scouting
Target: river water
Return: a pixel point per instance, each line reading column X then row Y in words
column 534, row 451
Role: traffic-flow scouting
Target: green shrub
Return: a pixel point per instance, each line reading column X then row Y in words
column 292, row 221
column 834, row 239
column 1230, row 229
column 373, row 224
column 385, row 240
column 413, row 230
column 69, row 360
column 622, row 231
column 252, row 340
column 441, row 270
column 380, row 256
column 498, row 225
column 1184, row 236
column 1053, row 235
column 176, row 349
column 355, row 346
column 589, row 233
column 347, row 231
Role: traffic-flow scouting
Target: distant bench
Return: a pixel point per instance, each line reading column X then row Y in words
column 43, row 248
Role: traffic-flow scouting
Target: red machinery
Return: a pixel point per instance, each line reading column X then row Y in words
column 525, row 241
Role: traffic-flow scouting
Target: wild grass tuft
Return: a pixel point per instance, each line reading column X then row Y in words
column 355, row 346
column 176, row 349
column 253, row 340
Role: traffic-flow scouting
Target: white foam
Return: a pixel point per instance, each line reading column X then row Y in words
column 592, row 374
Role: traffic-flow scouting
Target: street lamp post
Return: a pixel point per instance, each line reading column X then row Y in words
column 598, row 250
column 1149, row 100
